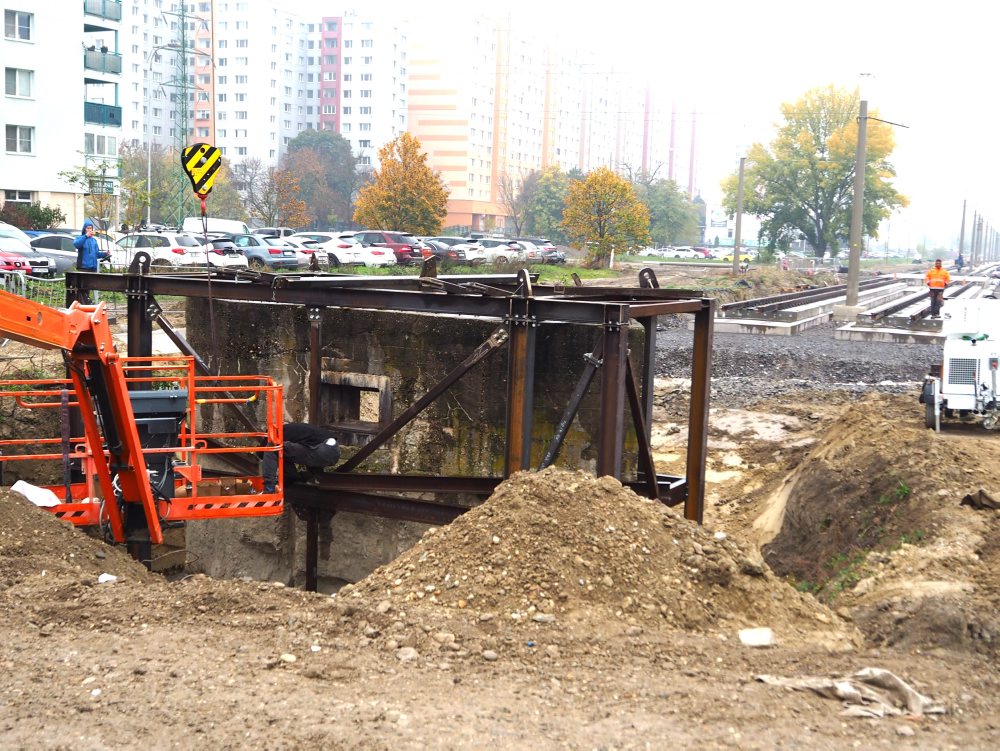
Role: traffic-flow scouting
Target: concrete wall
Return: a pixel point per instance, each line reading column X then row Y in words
column 462, row 433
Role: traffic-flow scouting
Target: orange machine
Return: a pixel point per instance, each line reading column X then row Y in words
column 186, row 482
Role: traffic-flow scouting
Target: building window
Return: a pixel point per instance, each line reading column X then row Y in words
column 366, row 93
column 366, row 144
column 17, row 196
column 366, row 160
column 366, row 42
column 331, row 25
column 348, row 43
column 17, row 25
column 19, row 138
column 241, row 151
column 98, row 144
column 367, row 60
column 366, row 110
column 347, row 60
column 329, row 109
column 366, row 76
column 347, row 110
column 241, row 115
column 242, row 42
column 17, row 82
column 364, row 126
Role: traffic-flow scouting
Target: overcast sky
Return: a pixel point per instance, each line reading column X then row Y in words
column 931, row 67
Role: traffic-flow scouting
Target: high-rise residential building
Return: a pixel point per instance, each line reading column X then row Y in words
column 369, row 99
column 61, row 111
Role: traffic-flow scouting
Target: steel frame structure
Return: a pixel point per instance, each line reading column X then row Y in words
column 520, row 306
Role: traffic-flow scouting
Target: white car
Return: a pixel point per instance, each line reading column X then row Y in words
column 502, row 251
column 532, row 253
column 682, row 251
column 164, row 248
column 340, row 251
column 307, row 249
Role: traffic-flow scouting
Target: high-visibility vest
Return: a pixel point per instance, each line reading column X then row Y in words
column 937, row 278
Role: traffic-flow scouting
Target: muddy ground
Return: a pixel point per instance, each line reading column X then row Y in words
column 567, row 612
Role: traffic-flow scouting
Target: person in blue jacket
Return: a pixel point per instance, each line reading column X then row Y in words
column 88, row 252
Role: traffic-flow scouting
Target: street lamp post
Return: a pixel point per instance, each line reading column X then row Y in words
column 149, row 135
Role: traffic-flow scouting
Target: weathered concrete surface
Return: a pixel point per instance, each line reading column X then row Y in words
column 462, row 433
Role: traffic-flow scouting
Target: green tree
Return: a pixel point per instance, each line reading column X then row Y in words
column 405, row 194
column 32, row 215
column 803, row 183
column 327, row 171
column 97, row 181
column 673, row 216
column 603, row 215
column 545, row 212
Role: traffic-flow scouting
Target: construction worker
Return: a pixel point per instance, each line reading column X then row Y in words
column 937, row 279
column 305, row 445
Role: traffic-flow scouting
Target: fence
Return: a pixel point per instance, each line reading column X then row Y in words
column 52, row 292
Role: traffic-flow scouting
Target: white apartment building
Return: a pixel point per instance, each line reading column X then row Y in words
column 373, row 84
column 60, row 108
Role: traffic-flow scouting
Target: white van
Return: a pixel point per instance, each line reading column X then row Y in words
column 193, row 226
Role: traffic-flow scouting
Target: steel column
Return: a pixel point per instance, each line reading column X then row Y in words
column 701, row 374
column 315, row 362
column 611, row 434
column 312, row 549
column 523, row 329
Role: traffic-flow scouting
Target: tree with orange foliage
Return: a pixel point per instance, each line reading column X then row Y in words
column 404, row 194
column 603, row 215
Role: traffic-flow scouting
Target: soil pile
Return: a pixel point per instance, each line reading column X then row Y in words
column 871, row 519
column 35, row 544
column 589, row 556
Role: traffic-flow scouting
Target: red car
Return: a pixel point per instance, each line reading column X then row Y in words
column 396, row 241
column 13, row 262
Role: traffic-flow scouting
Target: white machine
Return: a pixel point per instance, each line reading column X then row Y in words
column 967, row 384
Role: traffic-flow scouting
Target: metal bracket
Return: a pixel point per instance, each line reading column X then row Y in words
column 595, row 361
column 314, row 313
column 153, row 310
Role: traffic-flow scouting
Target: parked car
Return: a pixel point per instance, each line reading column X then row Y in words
column 222, row 251
column 339, row 251
column 420, row 247
column 307, row 249
column 395, row 241
column 274, row 231
column 12, row 262
column 501, row 251
column 532, row 253
column 541, row 250
column 58, row 247
column 13, row 240
column 683, row 252
column 164, row 248
column 728, row 258
column 474, row 253
column 444, row 252
column 267, row 253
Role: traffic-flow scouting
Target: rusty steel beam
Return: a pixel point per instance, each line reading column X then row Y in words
column 642, row 428
column 611, row 432
column 592, row 363
column 389, row 507
column 312, row 549
column 522, row 328
column 315, row 362
column 496, row 340
column 701, row 374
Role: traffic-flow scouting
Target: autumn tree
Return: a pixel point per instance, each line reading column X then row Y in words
column 272, row 195
column 545, row 210
column 516, row 196
column 802, row 184
column 603, row 215
column 405, row 194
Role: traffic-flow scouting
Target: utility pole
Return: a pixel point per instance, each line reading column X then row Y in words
column 739, row 216
column 858, row 210
column 961, row 234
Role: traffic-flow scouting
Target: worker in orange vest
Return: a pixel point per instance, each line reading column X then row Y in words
column 937, row 279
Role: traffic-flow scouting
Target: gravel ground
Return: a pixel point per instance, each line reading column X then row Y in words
column 747, row 368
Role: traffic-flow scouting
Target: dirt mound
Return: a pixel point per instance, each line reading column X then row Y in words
column 871, row 519
column 34, row 543
column 587, row 554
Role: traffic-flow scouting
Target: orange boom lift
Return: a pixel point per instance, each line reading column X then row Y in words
column 117, row 483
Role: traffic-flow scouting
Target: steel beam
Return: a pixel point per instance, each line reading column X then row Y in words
column 701, row 374
column 523, row 329
column 611, row 433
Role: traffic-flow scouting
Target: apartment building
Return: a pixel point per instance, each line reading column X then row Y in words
column 364, row 88
column 61, row 113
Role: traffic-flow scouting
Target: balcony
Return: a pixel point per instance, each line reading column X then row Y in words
column 102, row 114
column 110, row 10
column 103, row 62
